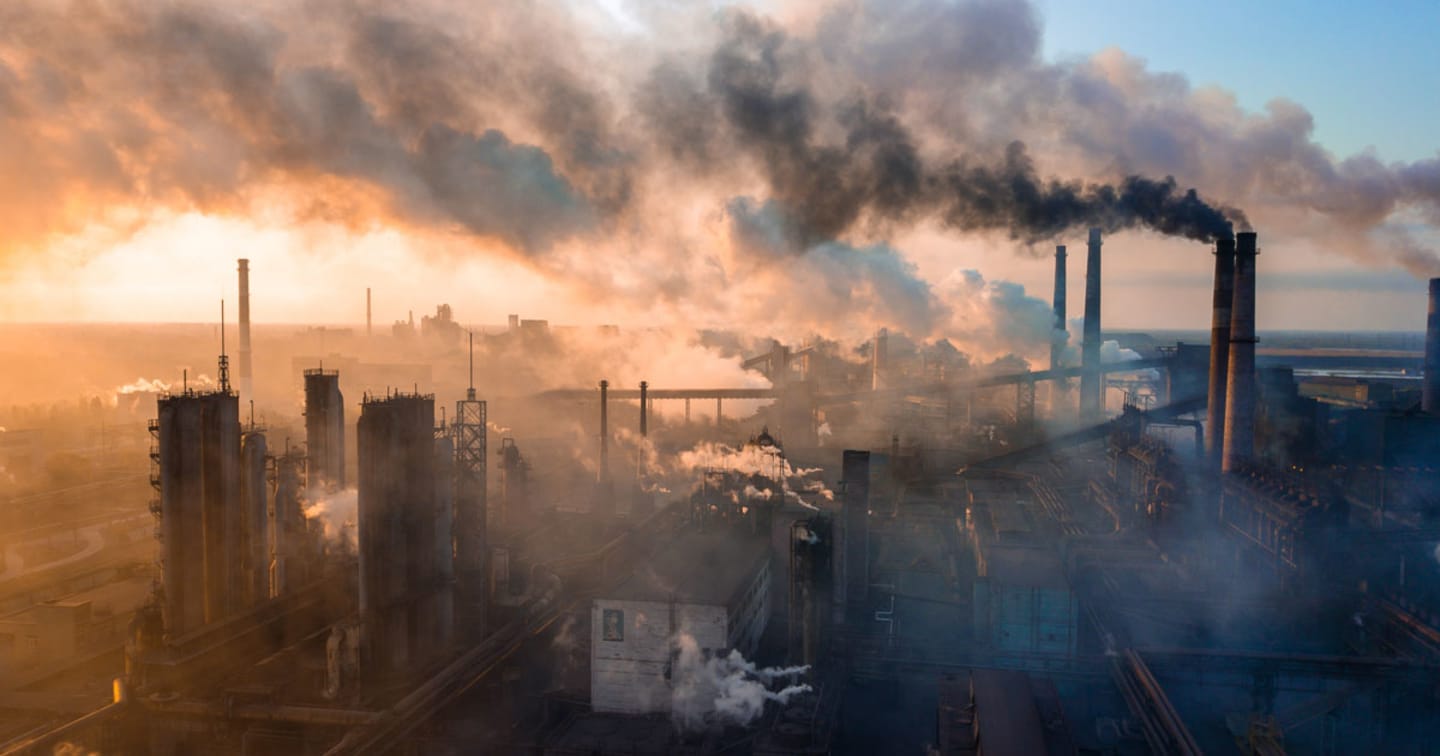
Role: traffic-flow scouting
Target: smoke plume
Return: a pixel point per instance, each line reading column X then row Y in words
column 337, row 512
column 601, row 156
column 710, row 691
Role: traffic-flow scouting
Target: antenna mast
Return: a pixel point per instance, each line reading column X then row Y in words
column 470, row 393
column 224, row 361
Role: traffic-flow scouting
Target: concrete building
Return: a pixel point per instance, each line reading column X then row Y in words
column 713, row 587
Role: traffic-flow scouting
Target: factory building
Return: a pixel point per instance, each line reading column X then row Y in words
column 968, row 584
column 710, row 586
column 1021, row 600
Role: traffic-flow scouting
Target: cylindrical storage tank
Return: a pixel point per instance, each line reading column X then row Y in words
column 254, row 537
column 182, row 532
column 397, row 513
column 325, row 429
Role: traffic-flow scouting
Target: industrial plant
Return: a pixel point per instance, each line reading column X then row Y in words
column 769, row 377
column 1181, row 547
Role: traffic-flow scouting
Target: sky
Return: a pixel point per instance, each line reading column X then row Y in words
column 1365, row 74
column 1367, row 71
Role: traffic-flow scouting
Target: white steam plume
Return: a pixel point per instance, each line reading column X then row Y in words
column 337, row 513
column 711, row 691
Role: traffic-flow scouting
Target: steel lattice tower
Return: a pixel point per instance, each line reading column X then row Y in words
column 470, row 505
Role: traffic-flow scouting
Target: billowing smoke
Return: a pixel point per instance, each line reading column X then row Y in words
column 716, row 691
column 771, row 475
column 338, row 513
column 873, row 169
column 141, row 385
column 604, row 162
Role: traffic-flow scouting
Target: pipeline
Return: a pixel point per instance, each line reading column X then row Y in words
column 1164, row 730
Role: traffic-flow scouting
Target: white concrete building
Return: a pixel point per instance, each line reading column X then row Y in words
column 714, row 587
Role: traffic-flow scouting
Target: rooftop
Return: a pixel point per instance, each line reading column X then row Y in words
column 696, row 568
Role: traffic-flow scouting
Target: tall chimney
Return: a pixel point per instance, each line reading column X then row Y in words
column 1430, row 389
column 1057, row 345
column 604, row 430
column 644, row 391
column 855, row 511
column 1091, row 392
column 878, row 356
column 1240, row 390
column 246, row 384
column 368, row 331
column 1219, row 350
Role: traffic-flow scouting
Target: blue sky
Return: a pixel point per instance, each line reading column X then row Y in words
column 1368, row 72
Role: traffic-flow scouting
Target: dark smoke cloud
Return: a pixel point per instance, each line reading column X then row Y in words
column 873, row 170
column 525, row 123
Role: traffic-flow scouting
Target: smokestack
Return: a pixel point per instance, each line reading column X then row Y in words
column 877, row 359
column 604, row 430
column 1057, row 346
column 1430, row 396
column 1091, row 391
column 368, row 331
column 246, row 385
column 855, row 505
column 1219, row 350
column 1240, row 389
column 644, row 391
